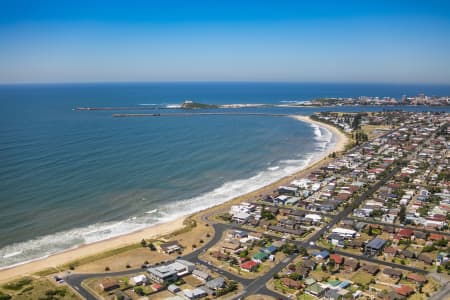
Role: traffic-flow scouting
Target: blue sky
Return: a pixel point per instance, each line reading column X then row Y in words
column 314, row 41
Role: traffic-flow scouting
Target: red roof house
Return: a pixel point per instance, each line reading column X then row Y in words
column 404, row 290
column 405, row 233
column 249, row 266
column 435, row 237
column 338, row 259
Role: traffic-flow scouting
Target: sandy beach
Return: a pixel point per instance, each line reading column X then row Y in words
column 166, row 228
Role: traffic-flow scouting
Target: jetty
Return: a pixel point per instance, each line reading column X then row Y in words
column 144, row 107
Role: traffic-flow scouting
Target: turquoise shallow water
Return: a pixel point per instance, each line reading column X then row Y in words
column 70, row 177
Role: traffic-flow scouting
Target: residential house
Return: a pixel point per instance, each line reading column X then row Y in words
column 260, row 257
column 216, row 283
column 351, row 265
column 390, row 251
column 315, row 290
column 393, row 273
column 374, row 247
column 139, row 280
column 404, row 290
column 425, row 258
column 170, row 247
column 249, row 266
column 338, row 259
column 162, row 274
column 417, row 278
column 290, row 283
column 203, row 276
column 195, row 294
column 109, row 284
column 371, row 269
column 173, row 288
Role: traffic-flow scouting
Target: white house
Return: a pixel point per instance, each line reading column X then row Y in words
column 139, row 280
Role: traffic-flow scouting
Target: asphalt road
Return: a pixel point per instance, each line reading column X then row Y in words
column 258, row 285
column 401, row 226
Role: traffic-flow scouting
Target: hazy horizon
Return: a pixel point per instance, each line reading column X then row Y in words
column 405, row 42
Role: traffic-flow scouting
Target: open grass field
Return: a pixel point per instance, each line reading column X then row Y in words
column 37, row 289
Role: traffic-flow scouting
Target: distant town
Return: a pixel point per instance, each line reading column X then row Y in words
column 420, row 99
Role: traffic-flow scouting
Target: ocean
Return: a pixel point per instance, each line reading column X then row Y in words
column 73, row 177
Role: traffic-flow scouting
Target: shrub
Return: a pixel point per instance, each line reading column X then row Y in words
column 139, row 290
column 19, row 284
column 5, row 296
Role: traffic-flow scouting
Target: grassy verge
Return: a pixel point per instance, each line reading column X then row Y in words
column 87, row 259
column 189, row 225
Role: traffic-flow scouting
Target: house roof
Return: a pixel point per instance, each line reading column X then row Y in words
column 216, row 283
column 170, row 245
column 435, row 237
column 291, row 283
column 390, row 250
column 337, row 258
column 249, row 264
column 392, row 272
column 376, row 243
column 405, row 232
column 201, row 274
column 309, row 263
column 108, row 283
column 351, row 262
column 316, row 288
column 372, row 269
column 260, row 256
column 417, row 277
column 425, row 258
column 404, row 290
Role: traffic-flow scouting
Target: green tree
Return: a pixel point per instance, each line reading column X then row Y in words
column 139, row 290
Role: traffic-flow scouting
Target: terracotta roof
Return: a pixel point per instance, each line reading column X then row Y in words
column 435, row 237
column 404, row 290
column 249, row 265
column 337, row 258
column 405, row 232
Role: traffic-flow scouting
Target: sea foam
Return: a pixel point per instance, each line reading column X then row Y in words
column 41, row 247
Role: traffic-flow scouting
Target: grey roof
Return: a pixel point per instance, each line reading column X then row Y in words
column 201, row 274
column 215, row 283
column 173, row 288
column 162, row 272
column 376, row 243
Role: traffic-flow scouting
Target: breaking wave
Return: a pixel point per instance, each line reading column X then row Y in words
column 41, row 247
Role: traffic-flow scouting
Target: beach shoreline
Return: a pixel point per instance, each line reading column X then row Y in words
column 159, row 230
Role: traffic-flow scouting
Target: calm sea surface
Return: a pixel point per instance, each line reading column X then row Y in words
column 71, row 177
